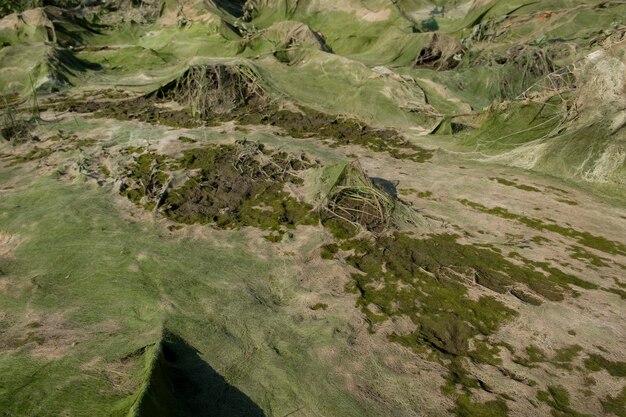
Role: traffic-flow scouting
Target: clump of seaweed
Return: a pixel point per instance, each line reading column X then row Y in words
column 354, row 202
column 145, row 180
column 215, row 89
column 14, row 129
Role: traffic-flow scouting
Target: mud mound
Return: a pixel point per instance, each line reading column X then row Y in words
column 442, row 53
column 582, row 136
column 71, row 29
column 15, row 129
column 215, row 89
column 61, row 67
column 28, row 26
column 288, row 41
column 50, row 68
column 527, row 69
column 229, row 186
column 182, row 384
column 208, row 94
column 135, row 12
column 51, row 24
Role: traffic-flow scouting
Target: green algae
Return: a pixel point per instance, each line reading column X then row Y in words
column 104, row 170
column 34, row 154
column 584, row 255
column 597, row 363
column 422, row 280
column 509, row 183
column 204, row 158
column 565, row 356
column 615, row 405
column 340, row 229
column 420, row 194
column 465, row 407
column 617, row 291
column 275, row 236
column 566, row 201
column 562, row 357
column 556, row 275
column 558, row 399
column 535, row 354
column 329, row 251
column 584, row 238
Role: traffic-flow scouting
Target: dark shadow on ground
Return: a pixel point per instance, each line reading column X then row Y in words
column 182, row 384
column 429, row 25
column 232, row 7
column 387, row 186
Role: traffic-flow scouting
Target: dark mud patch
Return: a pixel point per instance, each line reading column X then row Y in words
column 229, row 186
column 17, row 131
column 338, row 131
column 214, row 94
column 145, row 109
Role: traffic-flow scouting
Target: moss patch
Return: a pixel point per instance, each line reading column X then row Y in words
column 597, row 362
column 615, row 405
column 34, row 154
column 509, row 183
column 145, row 178
column 584, row 238
column 557, row 397
column 565, row 356
column 423, row 280
column 339, row 131
column 465, row 407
